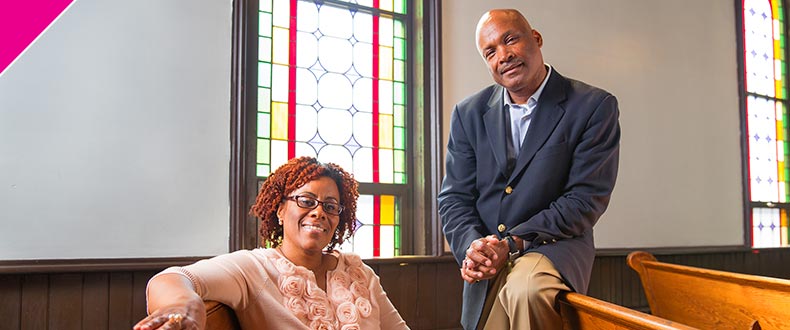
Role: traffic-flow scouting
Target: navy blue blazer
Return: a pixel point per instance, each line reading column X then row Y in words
column 557, row 189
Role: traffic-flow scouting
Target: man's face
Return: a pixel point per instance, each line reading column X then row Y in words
column 511, row 49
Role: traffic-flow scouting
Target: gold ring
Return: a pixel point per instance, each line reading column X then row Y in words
column 175, row 318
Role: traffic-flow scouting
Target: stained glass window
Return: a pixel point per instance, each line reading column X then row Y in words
column 332, row 84
column 765, row 72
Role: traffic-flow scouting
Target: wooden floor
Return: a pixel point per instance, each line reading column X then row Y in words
column 426, row 290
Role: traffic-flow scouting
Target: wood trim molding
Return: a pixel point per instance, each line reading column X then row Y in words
column 92, row 265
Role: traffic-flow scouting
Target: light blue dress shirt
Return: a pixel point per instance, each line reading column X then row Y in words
column 521, row 114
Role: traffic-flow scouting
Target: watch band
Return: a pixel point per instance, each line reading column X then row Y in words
column 515, row 251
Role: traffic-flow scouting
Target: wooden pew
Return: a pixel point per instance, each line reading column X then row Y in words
column 712, row 299
column 581, row 312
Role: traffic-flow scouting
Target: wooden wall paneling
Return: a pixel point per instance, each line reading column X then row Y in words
column 427, row 293
column 598, row 288
column 616, row 282
column 35, row 290
column 10, row 300
column 773, row 262
column 65, row 301
column 449, row 292
column 138, row 295
column 398, row 280
column 95, row 300
column 635, row 293
column 426, row 297
column 120, row 308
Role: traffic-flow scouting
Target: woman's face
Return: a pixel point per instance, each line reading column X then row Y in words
column 310, row 229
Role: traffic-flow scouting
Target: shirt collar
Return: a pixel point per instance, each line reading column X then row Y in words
column 533, row 100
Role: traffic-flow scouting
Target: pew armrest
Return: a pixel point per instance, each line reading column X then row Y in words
column 220, row 317
column 581, row 312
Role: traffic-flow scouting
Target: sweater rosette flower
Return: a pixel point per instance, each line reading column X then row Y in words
column 347, row 300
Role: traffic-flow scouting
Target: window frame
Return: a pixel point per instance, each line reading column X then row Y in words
column 748, row 204
column 418, row 196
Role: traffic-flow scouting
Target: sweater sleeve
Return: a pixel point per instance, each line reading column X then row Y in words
column 226, row 278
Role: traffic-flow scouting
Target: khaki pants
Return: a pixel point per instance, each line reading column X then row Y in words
column 524, row 296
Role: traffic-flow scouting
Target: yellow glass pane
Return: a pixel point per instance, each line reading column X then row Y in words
column 781, row 174
column 385, row 131
column 387, row 210
column 280, row 45
column 386, row 5
column 385, row 63
column 279, row 120
column 783, row 219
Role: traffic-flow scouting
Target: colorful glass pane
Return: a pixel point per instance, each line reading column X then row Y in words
column 766, row 118
column 378, row 231
column 766, row 229
column 332, row 84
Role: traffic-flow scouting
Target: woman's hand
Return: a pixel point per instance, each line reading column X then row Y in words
column 174, row 303
column 172, row 318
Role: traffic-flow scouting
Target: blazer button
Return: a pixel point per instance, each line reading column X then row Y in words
column 501, row 228
column 554, row 240
column 508, row 190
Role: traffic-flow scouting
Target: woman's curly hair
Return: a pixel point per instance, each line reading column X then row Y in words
column 291, row 176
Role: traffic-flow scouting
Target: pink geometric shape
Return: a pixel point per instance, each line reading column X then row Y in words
column 21, row 22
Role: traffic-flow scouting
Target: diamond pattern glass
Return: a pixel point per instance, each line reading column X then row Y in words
column 332, row 84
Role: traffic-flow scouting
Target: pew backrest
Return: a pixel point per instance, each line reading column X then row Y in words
column 581, row 312
column 712, row 299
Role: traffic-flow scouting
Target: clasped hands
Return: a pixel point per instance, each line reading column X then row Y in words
column 485, row 257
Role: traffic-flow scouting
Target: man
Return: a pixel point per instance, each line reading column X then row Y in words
column 531, row 164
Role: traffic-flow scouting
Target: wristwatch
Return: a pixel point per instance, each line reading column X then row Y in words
column 515, row 250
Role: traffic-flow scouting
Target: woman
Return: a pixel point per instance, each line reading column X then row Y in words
column 300, row 282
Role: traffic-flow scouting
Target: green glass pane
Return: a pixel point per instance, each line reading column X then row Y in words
column 265, row 49
column 264, row 74
column 264, row 125
column 400, row 178
column 399, row 116
column 397, row 240
column 264, row 24
column 399, row 142
column 399, row 30
column 264, row 99
column 400, row 161
column 399, row 91
column 399, row 71
column 263, row 152
column 397, row 213
column 265, row 5
column 262, row 170
column 400, row 6
column 400, row 49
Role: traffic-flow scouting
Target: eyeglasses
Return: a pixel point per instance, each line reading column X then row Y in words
column 307, row 202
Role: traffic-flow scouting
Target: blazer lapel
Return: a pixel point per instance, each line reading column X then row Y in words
column 547, row 116
column 494, row 121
